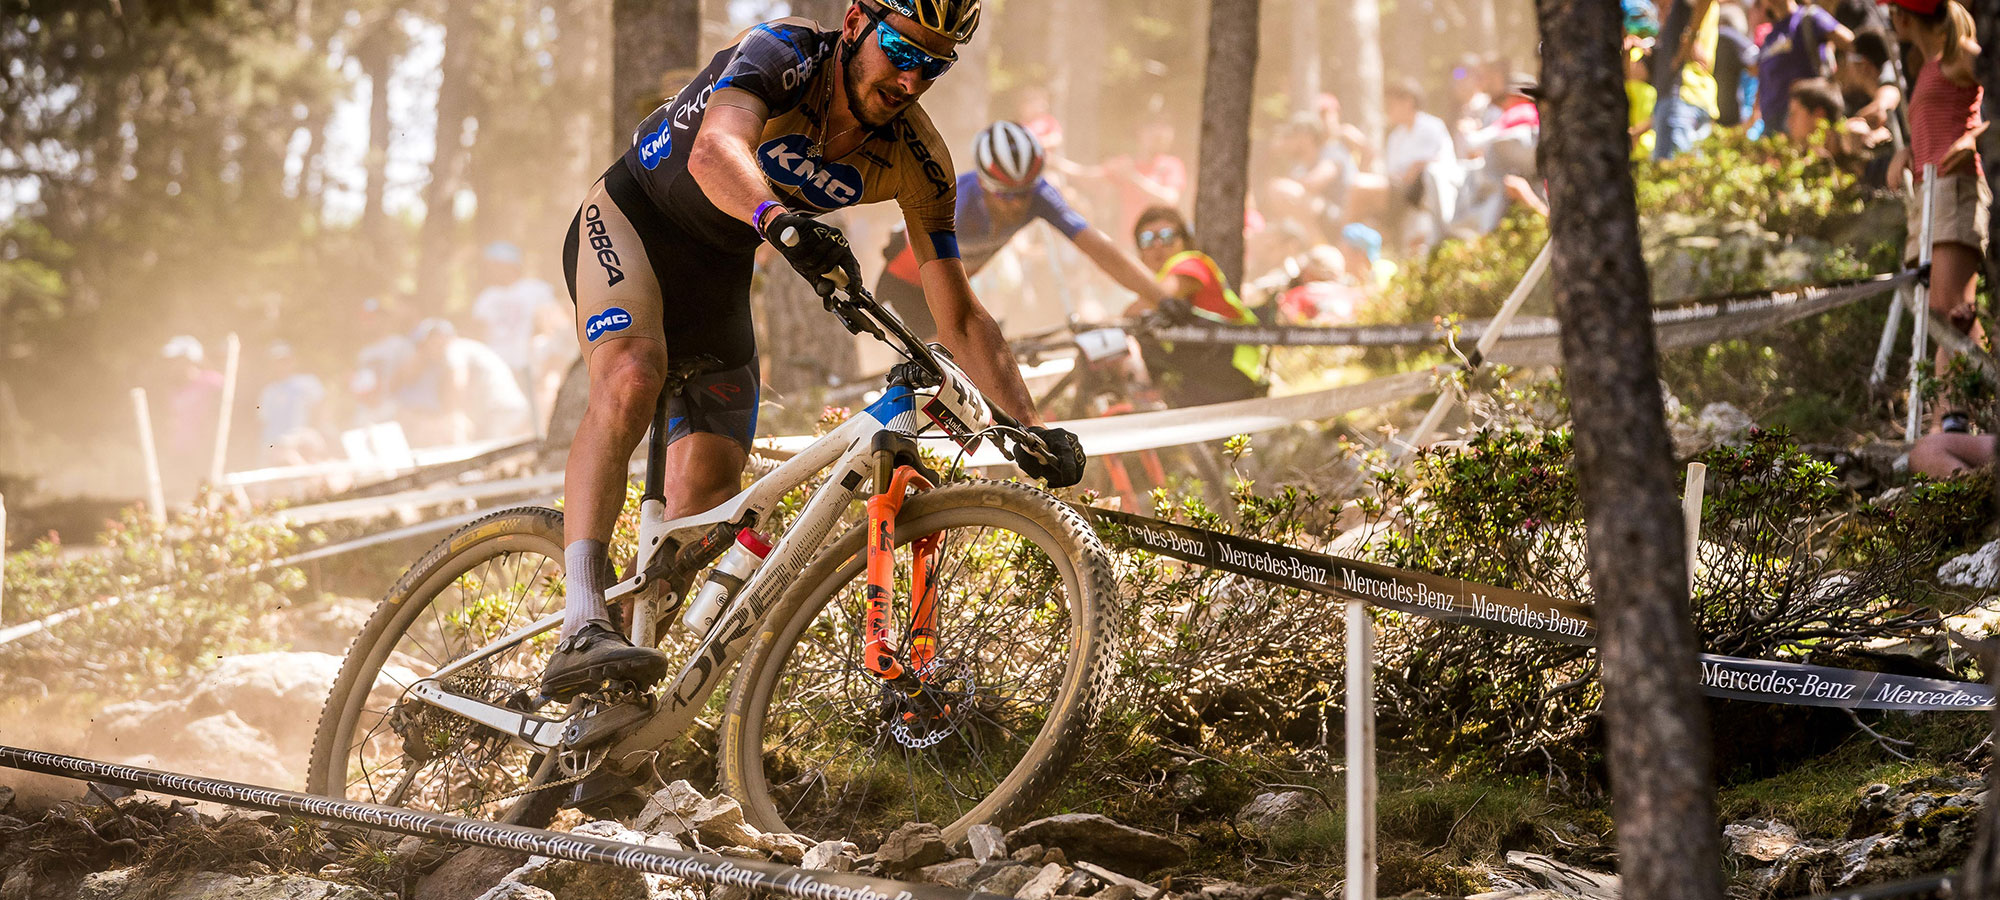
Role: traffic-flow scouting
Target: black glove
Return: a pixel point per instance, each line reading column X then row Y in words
column 815, row 248
column 1065, row 466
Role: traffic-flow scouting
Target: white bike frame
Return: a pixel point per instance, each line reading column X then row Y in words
column 848, row 449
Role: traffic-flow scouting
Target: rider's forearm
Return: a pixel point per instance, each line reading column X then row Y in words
column 723, row 163
column 975, row 341
column 1122, row 268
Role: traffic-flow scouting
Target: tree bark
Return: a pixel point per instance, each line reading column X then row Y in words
column 376, row 54
column 583, row 30
column 1658, row 741
column 1355, row 65
column 1986, row 16
column 652, row 42
column 438, row 240
column 1224, row 161
column 1305, row 54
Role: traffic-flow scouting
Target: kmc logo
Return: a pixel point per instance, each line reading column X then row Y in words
column 823, row 184
column 613, row 319
column 656, row 146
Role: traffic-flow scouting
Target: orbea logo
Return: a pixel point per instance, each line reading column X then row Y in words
column 656, row 146
column 613, row 319
column 825, row 185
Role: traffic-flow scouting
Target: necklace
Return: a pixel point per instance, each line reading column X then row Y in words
column 826, row 116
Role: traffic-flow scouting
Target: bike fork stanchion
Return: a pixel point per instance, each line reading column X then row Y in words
column 877, row 653
column 1360, row 752
column 1920, row 307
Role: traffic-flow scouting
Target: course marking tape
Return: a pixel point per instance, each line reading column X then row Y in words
column 707, row 868
column 1462, row 602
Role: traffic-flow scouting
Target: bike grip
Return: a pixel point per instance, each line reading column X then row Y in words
column 789, row 237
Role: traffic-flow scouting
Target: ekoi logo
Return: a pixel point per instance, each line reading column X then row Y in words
column 827, row 185
column 613, row 319
column 656, row 146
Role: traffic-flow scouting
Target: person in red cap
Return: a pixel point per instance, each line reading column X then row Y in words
column 1944, row 125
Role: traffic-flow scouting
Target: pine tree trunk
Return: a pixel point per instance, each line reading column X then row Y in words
column 1305, row 54
column 439, row 238
column 1224, row 164
column 583, row 74
column 1658, row 741
column 1354, row 65
column 375, row 53
column 1986, row 15
column 652, row 41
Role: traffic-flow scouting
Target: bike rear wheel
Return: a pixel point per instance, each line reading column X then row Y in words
column 813, row 743
column 377, row 744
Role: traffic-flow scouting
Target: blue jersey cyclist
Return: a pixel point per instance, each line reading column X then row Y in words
column 1004, row 193
column 787, row 122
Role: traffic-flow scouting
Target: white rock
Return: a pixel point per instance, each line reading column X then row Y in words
column 1979, row 569
column 1044, row 884
column 830, row 856
column 788, row 848
column 514, row 890
column 988, row 843
column 1760, row 840
column 670, row 809
column 1269, row 812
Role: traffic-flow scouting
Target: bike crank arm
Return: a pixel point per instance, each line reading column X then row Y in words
column 542, row 734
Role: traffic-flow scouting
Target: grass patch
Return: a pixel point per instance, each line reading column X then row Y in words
column 1819, row 796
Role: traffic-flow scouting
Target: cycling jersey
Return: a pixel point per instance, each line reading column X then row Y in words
column 648, row 256
column 979, row 237
column 786, row 65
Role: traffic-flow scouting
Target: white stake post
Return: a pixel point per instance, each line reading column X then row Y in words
column 1920, row 310
column 215, row 466
column 1691, row 499
column 1487, row 340
column 1360, row 752
column 156, row 502
column 1880, row 373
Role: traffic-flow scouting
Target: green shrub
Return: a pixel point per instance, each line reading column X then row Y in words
column 190, row 591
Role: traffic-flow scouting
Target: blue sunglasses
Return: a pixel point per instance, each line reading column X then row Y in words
column 904, row 53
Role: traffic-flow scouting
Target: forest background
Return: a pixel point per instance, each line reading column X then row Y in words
column 265, row 166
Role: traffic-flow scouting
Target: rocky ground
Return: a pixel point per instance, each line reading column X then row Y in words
column 102, row 847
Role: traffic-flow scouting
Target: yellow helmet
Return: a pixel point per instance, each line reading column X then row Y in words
column 955, row 19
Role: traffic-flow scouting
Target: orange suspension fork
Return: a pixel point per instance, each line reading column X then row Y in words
column 877, row 651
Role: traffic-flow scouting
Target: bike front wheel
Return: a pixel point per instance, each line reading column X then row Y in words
column 1028, row 617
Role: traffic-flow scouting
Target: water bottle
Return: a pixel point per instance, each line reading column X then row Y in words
column 730, row 572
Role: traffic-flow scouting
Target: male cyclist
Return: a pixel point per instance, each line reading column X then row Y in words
column 1002, row 194
column 787, row 122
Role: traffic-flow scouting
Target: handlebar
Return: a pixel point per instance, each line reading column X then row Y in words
column 860, row 313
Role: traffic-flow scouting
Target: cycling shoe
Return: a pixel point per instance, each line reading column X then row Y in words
column 595, row 655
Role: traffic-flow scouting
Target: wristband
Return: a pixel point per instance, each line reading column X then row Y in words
column 757, row 217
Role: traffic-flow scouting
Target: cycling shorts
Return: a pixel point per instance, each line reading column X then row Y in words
column 620, row 251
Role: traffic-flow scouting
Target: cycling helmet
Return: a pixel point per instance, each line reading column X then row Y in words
column 955, row 19
column 1007, row 157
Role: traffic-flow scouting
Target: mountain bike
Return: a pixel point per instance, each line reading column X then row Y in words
column 939, row 660
column 1109, row 379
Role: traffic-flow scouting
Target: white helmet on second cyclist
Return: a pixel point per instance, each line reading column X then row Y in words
column 1007, row 157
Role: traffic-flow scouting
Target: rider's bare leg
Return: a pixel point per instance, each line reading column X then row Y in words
column 626, row 376
column 702, row 470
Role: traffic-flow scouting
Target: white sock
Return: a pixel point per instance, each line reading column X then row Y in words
column 584, row 567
